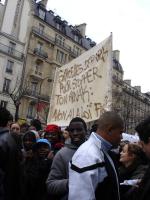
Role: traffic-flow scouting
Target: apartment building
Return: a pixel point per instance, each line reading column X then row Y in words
column 13, row 34
column 128, row 101
column 52, row 43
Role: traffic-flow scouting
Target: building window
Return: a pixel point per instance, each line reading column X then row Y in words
column 59, row 40
column 9, row 66
column 58, row 26
column 41, row 29
column 39, row 46
column 38, row 69
column 76, row 50
column 34, row 88
column 11, row 48
column 4, row 104
column 41, row 13
column 6, row 86
column 76, row 38
column 31, row 111
column 61, row 57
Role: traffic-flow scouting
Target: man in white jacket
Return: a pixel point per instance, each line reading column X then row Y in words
column 92, row 174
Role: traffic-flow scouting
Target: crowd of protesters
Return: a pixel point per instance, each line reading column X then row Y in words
column 49, row 163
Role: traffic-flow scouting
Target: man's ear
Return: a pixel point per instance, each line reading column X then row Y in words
column 109, row 133
column 109, row 130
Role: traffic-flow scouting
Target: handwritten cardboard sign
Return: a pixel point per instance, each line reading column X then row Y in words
column 83, row 86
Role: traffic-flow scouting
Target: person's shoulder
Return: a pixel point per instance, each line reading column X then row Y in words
column 87, row 157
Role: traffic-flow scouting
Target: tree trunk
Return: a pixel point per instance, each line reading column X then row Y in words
column 17, row 112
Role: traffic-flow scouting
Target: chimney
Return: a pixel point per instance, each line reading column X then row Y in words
column 116, row 54
column 44, row 2
column 82, row 28
column 138, row 88
column 128, row 82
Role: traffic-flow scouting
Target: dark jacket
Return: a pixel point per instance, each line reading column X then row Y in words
column 143, row 191
column 135, row 171
column 9, row 167
column 35, row 172
column 57, row 182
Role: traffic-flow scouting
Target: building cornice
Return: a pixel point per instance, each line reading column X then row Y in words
column 59, row 32
column 12, row 38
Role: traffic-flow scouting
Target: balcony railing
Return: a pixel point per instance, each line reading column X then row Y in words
column 63, row 45
column 11, row 52
column 37, row 74
column 36, row 95
column 41, row 53
column 54, row 41
column 43, row 35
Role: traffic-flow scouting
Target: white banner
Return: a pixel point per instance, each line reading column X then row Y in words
column 83, row 86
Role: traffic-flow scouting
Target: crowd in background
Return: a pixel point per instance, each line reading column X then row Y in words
column 48, row 163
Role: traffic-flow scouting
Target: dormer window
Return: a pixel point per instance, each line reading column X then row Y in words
column 58, row 26
column 42, row 13
column 76, row 38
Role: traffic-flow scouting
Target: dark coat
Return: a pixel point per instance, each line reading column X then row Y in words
column 35, row 172
column 143, row 191
column 135, row 171
column 9, row 167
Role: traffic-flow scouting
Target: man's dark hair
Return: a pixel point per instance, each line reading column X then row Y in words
column 37, row 124
column 143, row 130
column 110, row 118
column 94, row 128
column 78, row 119
column 5, row 117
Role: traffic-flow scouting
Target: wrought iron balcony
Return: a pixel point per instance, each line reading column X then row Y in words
column 36, row 74
column 11, row 52
column 54, row 41
column 35, row 94
column 62, row 44
column 41, row 53
column 42, row 34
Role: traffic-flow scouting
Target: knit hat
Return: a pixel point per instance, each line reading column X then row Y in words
column 35, row 133
column 52, row 128
column 44, row 141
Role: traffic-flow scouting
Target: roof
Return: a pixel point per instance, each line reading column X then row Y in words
column 68, row 30
column 117, row 65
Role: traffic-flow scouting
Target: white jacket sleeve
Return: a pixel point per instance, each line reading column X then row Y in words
column 82, row 185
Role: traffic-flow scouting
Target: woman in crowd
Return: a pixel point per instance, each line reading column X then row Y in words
column 133, row 162
column 54, row 135
column 66, row 136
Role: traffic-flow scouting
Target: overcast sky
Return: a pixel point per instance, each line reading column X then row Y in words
column 128, row 20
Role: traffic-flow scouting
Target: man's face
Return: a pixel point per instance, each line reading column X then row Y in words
column 77, row 133
column 15, row 129
column 146, row 148
column 115, row 136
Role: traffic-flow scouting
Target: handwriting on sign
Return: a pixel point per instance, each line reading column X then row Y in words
column 78, row 69
column 73, row 81
column 78, row 86
column 60, row 114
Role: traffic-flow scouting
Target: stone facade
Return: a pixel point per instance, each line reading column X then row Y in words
column 13, row 35
column 51, row 44
column 128, row 101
